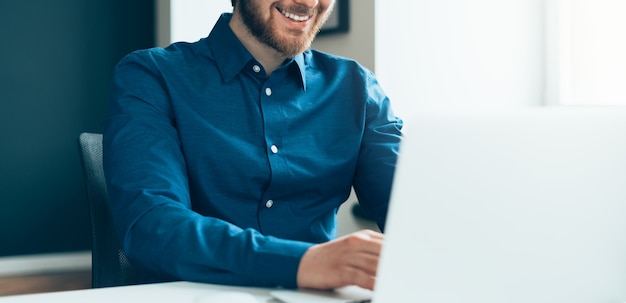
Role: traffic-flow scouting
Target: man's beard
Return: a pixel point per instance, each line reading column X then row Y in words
column 267, row 33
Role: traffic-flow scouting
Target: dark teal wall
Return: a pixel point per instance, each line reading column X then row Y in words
column 56, row 61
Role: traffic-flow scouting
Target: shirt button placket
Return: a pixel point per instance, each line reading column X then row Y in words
column 273, row 149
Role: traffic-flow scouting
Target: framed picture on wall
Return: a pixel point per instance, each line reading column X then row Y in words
column 339, row 20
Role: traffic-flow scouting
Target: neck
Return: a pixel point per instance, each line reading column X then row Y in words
column 267, row 56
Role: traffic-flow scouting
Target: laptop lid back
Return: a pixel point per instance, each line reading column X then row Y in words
column 524, row 206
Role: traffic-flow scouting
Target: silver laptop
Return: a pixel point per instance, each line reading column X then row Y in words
column 520, row 206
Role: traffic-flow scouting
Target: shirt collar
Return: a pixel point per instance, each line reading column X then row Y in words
column 299, row 59
column 231, row 56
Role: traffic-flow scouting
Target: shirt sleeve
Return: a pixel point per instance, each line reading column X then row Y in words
column 379, row 151
column 150, row 202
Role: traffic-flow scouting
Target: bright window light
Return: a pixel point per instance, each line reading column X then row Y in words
column 586, row 52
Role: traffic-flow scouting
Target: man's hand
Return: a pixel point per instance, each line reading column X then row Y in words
column 349, row 260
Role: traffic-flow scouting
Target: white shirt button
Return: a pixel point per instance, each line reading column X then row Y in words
column 269, row 203
column 256, row 68
column 274, row 149
column 268, row 91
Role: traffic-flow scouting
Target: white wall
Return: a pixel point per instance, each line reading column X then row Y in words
column 460, row 54
column 586, row 52
column 187, row 20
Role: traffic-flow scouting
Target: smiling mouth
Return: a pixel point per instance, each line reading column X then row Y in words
column 295, row 16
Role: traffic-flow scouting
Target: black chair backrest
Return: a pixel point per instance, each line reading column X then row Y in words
column 110, row 267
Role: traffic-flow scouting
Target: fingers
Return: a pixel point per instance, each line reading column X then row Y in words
column 364, row 241
column 350, row 260
column 368, row 263
column 373, row 234
column 358, row 278
column 363, row 256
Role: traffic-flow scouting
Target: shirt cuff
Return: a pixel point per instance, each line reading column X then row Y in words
column 277, row 262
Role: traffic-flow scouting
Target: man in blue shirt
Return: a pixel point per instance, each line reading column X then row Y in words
column 226, row 159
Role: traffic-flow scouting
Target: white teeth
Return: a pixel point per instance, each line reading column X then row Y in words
column 295, row 17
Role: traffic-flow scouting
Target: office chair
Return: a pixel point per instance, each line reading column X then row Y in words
column 110, row 267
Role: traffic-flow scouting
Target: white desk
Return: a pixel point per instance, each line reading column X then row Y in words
column 178, row 292
column 173, row 292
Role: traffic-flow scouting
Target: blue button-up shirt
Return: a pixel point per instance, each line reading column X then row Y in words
column 218, row 173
